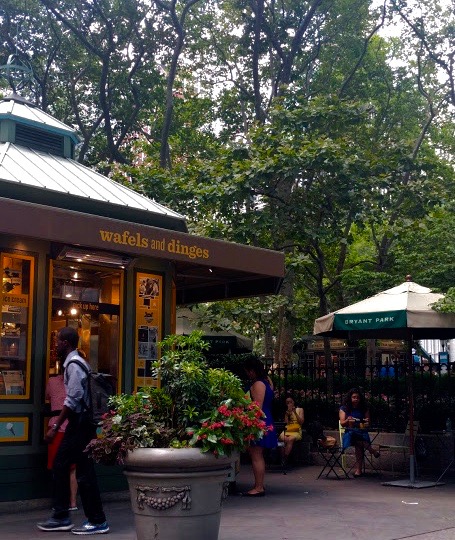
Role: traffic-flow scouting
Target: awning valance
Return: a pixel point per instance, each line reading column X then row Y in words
column 206, row 269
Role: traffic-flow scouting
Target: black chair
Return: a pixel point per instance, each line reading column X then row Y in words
column 273, row 457
column 332, row 460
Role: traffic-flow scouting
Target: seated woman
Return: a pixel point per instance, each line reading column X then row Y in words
column 294, row 418
column 355, row 417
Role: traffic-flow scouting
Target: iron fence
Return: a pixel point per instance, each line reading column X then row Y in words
column 320, row 391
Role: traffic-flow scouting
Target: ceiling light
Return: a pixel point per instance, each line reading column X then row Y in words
column 103, row 258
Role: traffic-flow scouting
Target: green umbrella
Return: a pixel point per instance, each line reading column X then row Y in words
column 394, row 313
column 403, row 312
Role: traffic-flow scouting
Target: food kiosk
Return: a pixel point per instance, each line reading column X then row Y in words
column 78, row 249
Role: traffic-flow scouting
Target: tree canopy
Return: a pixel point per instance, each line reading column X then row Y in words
column 322, row 129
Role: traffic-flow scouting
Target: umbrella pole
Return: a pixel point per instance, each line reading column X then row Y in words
column 412, row 482
column 410, row 387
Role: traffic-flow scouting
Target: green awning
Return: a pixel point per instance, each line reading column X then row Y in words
column 369, row 321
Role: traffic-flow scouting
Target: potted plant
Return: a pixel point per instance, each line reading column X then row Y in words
column 177, row 443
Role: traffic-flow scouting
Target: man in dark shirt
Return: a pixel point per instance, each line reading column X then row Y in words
column 79, row 432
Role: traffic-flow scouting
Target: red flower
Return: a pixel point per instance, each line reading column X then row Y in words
column 225, row 440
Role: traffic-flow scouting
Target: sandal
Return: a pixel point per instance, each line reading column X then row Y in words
column 358, row 475
column 257, row 494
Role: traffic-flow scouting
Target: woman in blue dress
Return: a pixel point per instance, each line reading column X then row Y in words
column 261, row 391
column 355, row 418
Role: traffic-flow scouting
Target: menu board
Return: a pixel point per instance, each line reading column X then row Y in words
column 16, row 299
column 149, row 306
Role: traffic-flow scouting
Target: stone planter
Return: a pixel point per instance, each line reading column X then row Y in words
column 176, row 493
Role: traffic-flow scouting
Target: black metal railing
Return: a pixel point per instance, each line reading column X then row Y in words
column 321, row 390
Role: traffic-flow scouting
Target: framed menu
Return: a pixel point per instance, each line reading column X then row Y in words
column 16, row 311
column 149, row 307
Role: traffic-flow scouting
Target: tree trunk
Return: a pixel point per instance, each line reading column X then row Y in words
column 285, row 337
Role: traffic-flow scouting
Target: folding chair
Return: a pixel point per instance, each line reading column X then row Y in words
column 366, row 456
column 272, row 456
column 279, row 427
column 332, row 459
column 403, row 447
column 341, row 431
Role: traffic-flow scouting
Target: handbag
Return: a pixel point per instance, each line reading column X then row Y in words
column 328, row 442
column 292, row 428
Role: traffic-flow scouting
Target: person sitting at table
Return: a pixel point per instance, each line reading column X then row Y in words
column 294, row 418
column 355, row 418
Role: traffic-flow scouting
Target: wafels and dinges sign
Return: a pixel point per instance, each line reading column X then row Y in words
column 67, row 226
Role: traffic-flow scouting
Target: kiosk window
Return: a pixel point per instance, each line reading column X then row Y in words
column 15, row 318
column 87, row 298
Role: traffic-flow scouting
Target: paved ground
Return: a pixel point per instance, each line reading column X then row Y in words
column 298, row 507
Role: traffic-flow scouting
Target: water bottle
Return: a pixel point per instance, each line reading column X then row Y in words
column 448, row 425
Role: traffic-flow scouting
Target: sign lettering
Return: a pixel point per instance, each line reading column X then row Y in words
column 370, row 321
column 155, row 244
column 15, row 300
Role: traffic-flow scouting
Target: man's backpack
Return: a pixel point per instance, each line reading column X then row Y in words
column 101, row 387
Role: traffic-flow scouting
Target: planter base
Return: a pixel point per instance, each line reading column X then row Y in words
column 179, row 504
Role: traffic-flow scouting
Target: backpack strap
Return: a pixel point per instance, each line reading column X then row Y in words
column 89, row 406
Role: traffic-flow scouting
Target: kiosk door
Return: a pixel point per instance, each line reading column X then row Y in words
column 88, row 298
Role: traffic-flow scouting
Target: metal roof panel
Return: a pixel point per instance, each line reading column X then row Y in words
column 49, row 172
column 29, row 114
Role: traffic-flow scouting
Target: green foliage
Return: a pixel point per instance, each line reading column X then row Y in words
column 182, row 371
column 414, row 252
column 157, row 399
column 231, row 362
column 223, row 385
column 359, row 283
column 446, row 304
column 197, row 406
column 329, row 142
column 134, row 421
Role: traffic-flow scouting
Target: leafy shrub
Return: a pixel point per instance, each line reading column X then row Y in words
column 197, row 406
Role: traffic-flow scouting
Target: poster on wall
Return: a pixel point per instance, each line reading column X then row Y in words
column 13, row 380
column 14, row 429
column 149, row 305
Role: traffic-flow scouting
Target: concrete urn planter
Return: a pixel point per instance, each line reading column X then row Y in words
column 176, row 493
